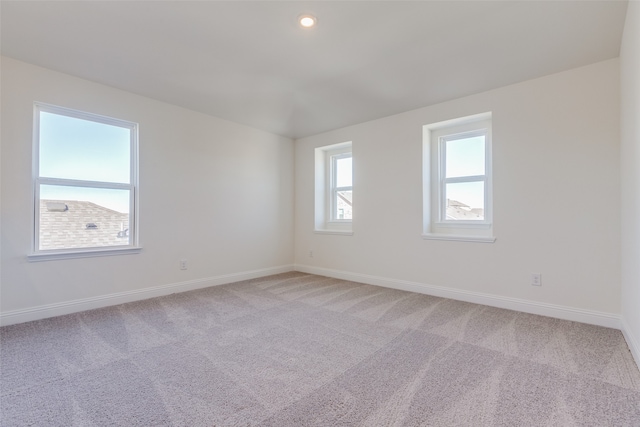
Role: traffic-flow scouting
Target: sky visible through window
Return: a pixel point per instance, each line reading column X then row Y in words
column 344, row 179
column 72, row 148
column 466, row 157
column 344, row 172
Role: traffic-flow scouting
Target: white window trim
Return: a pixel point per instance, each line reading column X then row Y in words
column 458, row 238
column 84, row 253
column 333, row 190
column 443, row 180
column 55, row 254
column 334, row 232
column 324, row 218
column 435, row 224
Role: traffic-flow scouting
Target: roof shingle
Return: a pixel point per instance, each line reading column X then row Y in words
column 69, row 228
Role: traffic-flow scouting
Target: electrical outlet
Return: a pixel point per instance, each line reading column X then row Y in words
column 183, row 264
column 536, row 279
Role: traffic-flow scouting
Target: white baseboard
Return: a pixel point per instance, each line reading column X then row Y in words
column 68, row 307
column 633, row 344
column 608, row 320
column 561, row 312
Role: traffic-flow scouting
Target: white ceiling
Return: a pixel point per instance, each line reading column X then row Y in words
column 249, row 62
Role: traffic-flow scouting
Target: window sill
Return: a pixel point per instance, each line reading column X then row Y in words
column 464, row 224
column 52, row 256
column 336, row 232
column 459, row 238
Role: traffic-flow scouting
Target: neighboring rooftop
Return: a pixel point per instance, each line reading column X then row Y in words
column 459, row 211
column 345, row 205
column 69, row 224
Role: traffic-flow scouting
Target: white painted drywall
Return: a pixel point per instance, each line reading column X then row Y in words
column 213, row 192
column 556, row 188
column 630, row 167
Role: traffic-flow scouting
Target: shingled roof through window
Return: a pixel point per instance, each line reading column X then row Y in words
column 459, row 211
column 73, row 224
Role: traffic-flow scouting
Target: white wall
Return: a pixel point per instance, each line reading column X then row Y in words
column 213, row 192
column 221, row 196
column 556, row 210
column 630, row 167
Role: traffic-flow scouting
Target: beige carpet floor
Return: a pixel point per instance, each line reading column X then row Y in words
column 304, row 350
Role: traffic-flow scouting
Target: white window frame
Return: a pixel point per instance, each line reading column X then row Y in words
column 326, row 192
column 443, row 180
column 51, row 254
column 333, row 179
column 436, row 226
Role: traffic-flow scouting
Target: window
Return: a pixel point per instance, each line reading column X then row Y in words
column 334, row 189
column 341, row 192
column 462, row 180
column 457, row 179
column 85, row 183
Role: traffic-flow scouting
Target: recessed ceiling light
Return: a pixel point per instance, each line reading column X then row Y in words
column 307, row 21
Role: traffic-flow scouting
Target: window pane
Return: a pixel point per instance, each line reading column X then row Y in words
column 344, row 202
column 465, row 201
column 73, row 148
column 77, row 217
column 344, row 175
column 465, row 157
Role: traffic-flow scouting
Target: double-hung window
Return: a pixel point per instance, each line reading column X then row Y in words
column 463, row 177
column 85, row 184
column 341, row 187
column 334, row 189
column 457, row 188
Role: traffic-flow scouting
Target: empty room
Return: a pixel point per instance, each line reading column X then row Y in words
column 330, row 213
